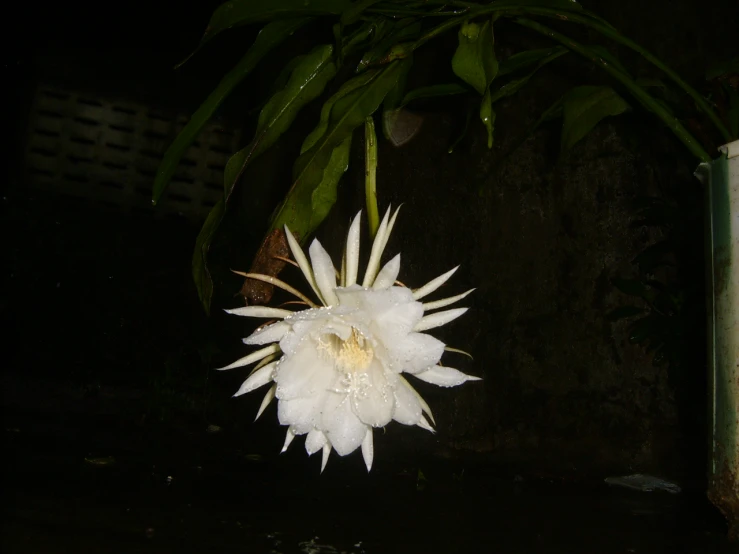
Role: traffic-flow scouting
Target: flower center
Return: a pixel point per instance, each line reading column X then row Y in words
column 349, row 356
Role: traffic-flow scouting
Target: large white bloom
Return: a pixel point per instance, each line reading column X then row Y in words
column 337, row 369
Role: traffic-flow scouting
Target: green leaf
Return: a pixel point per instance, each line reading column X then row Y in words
column 307, row 82
column 267, row 39
column 433, row 91
column 242, row 12
column 394, row 98
column 584, row 107
column 356, row 100
column 632, row 287
column 623, row 312
column 386, row 49
column 370, row 176
column 526, row 58
column 324, row 196
column 604, row 54
column 474, row 60
column 200, row 272
column 353, row 13
column 487, row 116
column 514, row 85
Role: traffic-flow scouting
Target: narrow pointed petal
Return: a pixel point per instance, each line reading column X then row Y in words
column 434, row 284
column 352, row 252
column 253, row 357
column 424, row 405
column 275, row 282
column 436, row 304
column 266, row 400
column 368, row 451
column 323, row 269
column 438, row 319
column 264, row 362
column 325, row 455
column 258, row 379
column 314, row 441
column 289, row 436
column 270, row 333
column 373, row 266
column 445, row 376
column 458, row 351
column 261, row 311
column 423, row 424
column 388, row 274
column 303, row 264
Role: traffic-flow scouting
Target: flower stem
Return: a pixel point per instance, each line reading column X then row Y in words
column 370, row 175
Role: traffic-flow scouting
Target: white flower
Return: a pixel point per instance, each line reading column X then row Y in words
column 337, row 369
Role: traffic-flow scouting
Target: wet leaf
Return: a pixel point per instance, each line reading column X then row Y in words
column 307, row 81
column 200, row 272
column 387, row 48
column 474, row 60
column 348, row 108
column 324, row 196
column 487, row 116
column 434, row 91
column 623, row 312
column 242, row 12
column 632, row 287
column 584, row 107
column 522, row 60
column 267, row 39
column 604, row 54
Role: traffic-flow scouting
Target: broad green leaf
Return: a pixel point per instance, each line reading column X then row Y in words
column 474, row 60
column 526, row 58
column 623, row 312
column 487, row 116
column 604, row 54
column 324, row 196
column 242, row 12
column 346, row 89
column 267, row 39
column 347, row 112
column 200, row 273
column 354, row 12
column 307, row 81
column 514, row 85
column 433, row 91
column 584, row 107
column 387, row 48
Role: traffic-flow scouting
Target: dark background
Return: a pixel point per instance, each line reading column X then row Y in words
column 108, row 381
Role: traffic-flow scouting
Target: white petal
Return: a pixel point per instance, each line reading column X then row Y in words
column 305, row 374
column 368, row 451
column 436, row 304
column 344, row 429
column 415, row 352
column 261, row 311
column 257, row 379
column 394, row 313
column 445, row 376
column 323, row 269
column 266, row 400
column 407, row 408
column 352, row 252
column 423, row 424
column 388, row 274
column 434, row 284
column 301, row 260
column 375, row 406
column 377, row 246
column 438, row 319
column 314, row 442
column 253, row 357
column 288, row 439
column 424, row 406
column 325, row 455
column 270, row 333
column 301, row 414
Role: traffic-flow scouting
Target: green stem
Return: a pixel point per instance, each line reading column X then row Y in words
column 370, row 176
column 638, row 92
